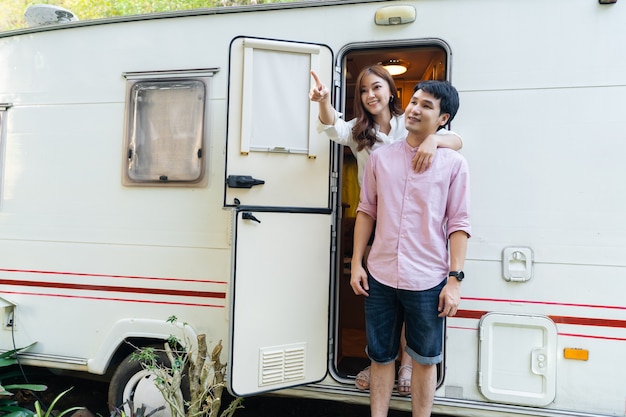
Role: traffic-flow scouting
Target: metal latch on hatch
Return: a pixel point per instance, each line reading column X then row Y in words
column 517, row 263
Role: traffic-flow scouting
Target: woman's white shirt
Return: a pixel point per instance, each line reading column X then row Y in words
column 341, row 132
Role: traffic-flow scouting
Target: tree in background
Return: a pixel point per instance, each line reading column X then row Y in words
column 12, row 16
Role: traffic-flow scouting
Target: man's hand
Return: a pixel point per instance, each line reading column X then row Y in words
column 449, row 298
column 358, row 280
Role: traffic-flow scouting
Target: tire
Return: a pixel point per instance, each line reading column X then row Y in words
column 131, row 385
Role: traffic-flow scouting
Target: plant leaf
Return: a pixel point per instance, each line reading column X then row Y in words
column 32, row 387
column 19, row 412
column 69, row 410
column 7, row 362
column 51, row 407
column 38, row 408
column 11, row 353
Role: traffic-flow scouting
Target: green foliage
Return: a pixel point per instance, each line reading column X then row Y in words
column 137, row 412
column 39, row 412
column 8, row 406
column 13, row 10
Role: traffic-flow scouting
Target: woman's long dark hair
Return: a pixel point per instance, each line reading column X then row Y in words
column 363, row 130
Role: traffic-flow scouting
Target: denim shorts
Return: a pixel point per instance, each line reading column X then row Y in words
column 386, row 308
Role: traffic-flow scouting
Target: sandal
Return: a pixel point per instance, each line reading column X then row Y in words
column 362, row 380
column 404, row 381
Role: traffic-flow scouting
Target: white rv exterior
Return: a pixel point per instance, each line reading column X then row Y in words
column 123, row 144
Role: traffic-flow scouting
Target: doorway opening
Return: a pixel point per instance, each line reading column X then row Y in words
column 425, row 61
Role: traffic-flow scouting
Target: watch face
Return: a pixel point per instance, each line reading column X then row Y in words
column 457, row 274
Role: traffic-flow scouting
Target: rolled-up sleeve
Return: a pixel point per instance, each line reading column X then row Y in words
column 340, row 131
column 459, row 200
column 368, row 198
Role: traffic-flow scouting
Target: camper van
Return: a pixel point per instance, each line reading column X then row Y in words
column 169, row 165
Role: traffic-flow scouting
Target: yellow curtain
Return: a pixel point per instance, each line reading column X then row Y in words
column 349, row 184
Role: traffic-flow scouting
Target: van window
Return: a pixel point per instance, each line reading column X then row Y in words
column 267, row 64
column 164, row 133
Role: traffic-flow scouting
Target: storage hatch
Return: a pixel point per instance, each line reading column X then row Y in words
column 517, row 359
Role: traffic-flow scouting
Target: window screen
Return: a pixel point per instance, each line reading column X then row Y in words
column 273, row 74
column 165, row 131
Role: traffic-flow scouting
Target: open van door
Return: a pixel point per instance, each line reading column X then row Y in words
column 279, row 182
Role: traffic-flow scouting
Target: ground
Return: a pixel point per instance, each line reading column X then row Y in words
column 92, row 395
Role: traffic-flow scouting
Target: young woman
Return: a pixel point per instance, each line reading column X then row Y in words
column 379, row 120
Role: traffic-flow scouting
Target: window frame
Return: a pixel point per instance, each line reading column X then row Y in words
column 4, row 107
column 133, row 79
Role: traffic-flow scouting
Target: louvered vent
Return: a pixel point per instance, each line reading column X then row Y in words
column 282, row 364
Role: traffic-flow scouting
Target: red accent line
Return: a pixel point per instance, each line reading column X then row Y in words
column 115, row 299
column 621, row 339
column 80, row 274
column 549, row 303
column 205, row 294
column 463, row 328
column 470, row 314
column 580, row 321
column 586, row 321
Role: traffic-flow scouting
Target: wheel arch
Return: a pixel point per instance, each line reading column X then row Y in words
column 128, row 334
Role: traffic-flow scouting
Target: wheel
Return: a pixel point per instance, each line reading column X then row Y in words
column 133, row 385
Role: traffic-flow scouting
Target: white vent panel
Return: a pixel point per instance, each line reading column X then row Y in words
column 282, row 364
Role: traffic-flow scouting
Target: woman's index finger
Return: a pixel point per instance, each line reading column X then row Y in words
column 318, row 83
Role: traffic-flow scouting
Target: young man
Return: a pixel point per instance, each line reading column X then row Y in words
column 414, row 269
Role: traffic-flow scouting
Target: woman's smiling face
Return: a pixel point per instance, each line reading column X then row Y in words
column 375, row 94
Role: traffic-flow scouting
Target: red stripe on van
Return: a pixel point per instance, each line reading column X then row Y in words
column 110, row 288
column 580, row 321
column 548, row 303
column 128, row 300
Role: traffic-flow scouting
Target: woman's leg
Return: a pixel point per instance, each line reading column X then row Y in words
column 406, row 367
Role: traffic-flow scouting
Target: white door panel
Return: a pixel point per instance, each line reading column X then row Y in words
column 272, row 136
column 279, row 177
column 279, row 335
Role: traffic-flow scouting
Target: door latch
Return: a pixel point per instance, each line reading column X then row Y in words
column 246, row 215
column 242, row 181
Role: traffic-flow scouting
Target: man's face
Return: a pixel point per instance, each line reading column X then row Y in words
column 422, row 114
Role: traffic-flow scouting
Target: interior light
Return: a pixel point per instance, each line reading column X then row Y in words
column 395, row 66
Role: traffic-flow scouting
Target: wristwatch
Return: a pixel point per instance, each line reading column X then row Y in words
column 459, row 275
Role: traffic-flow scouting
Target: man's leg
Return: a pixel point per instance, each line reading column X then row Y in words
column 382, row 377
column 383, row 326
column 423, row 385
column 424, row 335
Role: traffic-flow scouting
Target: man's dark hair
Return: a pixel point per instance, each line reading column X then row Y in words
column 445, row 92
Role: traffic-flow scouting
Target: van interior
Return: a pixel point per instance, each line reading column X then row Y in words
column 423, row 61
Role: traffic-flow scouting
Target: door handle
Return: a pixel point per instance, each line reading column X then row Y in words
column 517, row 264
column 242, row 181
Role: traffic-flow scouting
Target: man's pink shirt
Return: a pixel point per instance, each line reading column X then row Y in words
column 415, row 214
